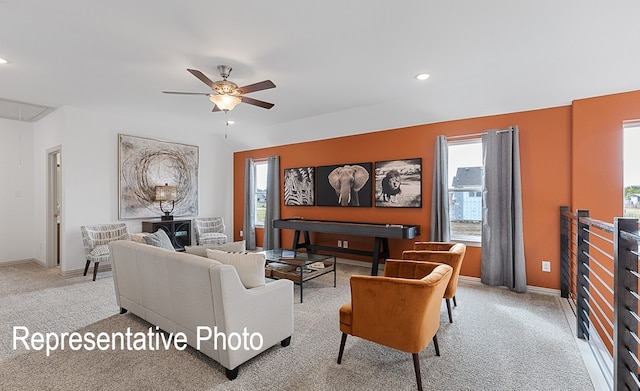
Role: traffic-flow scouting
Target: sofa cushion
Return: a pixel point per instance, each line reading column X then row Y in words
column 159, row 239
column 250, row 266
column 239, row 246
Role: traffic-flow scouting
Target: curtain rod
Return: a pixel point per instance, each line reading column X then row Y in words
column 472, row 135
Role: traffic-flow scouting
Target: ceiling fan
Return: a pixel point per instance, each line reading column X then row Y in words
column 225, row 94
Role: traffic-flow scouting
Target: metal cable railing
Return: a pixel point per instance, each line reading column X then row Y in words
column 600, row 279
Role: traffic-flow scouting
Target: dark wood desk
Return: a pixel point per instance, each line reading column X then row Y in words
column 380, row 232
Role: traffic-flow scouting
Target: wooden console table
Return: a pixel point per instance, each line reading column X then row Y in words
column 380, row 232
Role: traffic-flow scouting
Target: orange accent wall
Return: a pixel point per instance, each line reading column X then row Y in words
column 597, row 177
column 545, row 151
column 597, row 152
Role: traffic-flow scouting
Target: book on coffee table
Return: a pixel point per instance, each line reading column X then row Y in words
column 288, row 254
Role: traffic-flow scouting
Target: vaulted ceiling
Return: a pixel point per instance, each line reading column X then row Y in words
column 341, row 67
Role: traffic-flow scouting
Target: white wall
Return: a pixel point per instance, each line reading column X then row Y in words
column 90, row 173
column 17, row 190
column 48, row 133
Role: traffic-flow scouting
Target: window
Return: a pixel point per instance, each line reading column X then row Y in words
column 260, row 192
column 465, row 190
column 631, row 160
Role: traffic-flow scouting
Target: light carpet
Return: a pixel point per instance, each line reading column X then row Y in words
column 500, row 340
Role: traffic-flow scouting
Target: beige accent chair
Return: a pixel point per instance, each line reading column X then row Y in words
column 451, row 254
column 96, row 239
column 400, row 310
column 210, row 230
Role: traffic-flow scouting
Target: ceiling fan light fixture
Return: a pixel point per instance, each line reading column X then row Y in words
column 225, row 102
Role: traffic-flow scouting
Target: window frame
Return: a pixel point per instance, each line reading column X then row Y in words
column 630, row 134
column 256, row 164
column 471, row 240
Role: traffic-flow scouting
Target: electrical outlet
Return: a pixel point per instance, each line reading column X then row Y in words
column 345, row 244
column 241, row 234
column 546, row 266
column 339, row 243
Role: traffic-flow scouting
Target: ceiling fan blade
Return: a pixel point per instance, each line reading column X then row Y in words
column 202, row 77
column 256, row 102
column 263, row 85
column 216, row 108
column 186, row 93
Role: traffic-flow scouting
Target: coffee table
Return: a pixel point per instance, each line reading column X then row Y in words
column 298, row 266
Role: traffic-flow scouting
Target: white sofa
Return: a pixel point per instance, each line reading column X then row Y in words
column 179, row 292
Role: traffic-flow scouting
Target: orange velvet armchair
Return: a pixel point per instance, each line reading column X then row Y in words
column 451, row 254
column 400, row 310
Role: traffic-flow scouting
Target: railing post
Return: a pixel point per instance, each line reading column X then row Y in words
column 624, row 285
column 582, row 260
column 565, row 259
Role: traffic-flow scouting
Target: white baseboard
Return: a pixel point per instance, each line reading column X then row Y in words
column 19, row 261
column 80, row 272
column 600, row 382
column 75, row 272
column 472, row 280
column 346, row 261
column 530, row 288
column 543, row 291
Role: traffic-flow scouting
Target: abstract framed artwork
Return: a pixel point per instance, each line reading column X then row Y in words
column 145, row 163
column 399, row 183
column 344, row 185
column 299, row 186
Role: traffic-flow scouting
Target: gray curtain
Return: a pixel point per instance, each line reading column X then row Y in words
column 440, row 193
column 272, row 235
column 249, row 225
column 503, row 262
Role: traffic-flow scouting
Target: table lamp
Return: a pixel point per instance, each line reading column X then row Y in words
column 166, row 193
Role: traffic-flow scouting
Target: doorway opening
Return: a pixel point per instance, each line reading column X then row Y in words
column 54, row 206
column 631, row 169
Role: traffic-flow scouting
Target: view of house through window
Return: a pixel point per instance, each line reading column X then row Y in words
column 465, row 190
column 631, row 159
column 261, row 191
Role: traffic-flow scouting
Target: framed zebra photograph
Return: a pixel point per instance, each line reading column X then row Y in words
column 299, row 186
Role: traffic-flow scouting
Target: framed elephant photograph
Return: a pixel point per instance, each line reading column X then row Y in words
column 299, row 186
column 344, row 185
column 398, row 183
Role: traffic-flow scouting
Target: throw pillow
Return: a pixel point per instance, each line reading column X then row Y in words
column 139, row 237
column 159, row 239
column 234, row 247
column 250, row 266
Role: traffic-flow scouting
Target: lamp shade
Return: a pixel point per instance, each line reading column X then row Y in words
column 225, row 102
column 166, row 193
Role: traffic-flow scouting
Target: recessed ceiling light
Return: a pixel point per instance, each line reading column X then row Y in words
column 422, row 76
column 3, row 61
column 231, row 122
